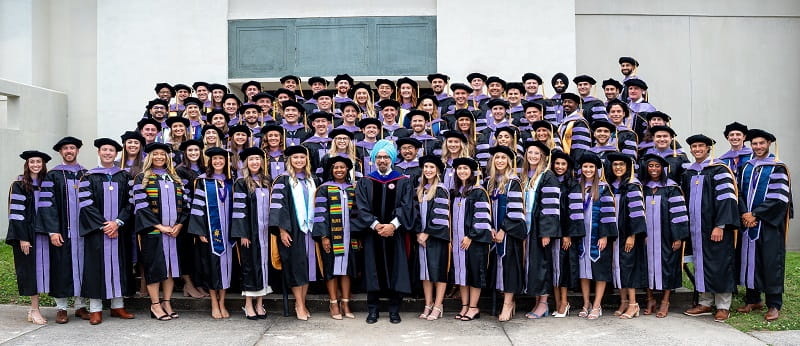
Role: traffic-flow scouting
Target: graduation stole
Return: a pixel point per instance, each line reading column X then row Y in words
column 336, row 211
column 214, row 222
column 502, row 205
column 530, row 197
column 756, row 190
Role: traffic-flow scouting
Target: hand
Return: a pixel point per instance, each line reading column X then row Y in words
column 245, row 242
column 498, row 238
column 25, row 246
column 748, row 220
column 110, row 227
column 545, row 241
column 494, row 234
column 286, row 239
column 422, row 239
column 203, row 239
column 566, row 242
column 176, row 229
column 717, row 234
column 163, row 229
column 601, row 243
column 629, row 243
column 56, row 239
column 389, row 228
column 326, row 244
column 676, row 245
column 465, row 243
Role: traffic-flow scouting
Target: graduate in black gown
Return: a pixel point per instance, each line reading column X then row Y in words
column 385, row 214
column 106, row 218
column 433, row 235
column 333, row 230
column 543, row 219
column 508, row 226
column 630, row 252
column 58, row 217
column 565, row 256
column 292, row 215
column 160, row 211
column 31, row 250
column 712, row 202
column 667, row 228
column 593, row 213
column 409, row 163
column 210, row 221
column 250, row 225
column 273, row 143
column 189, row 169
column 765, row 202
column 471, row 235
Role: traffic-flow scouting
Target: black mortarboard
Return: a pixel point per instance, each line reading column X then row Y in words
column 464, row 113
column 27, row 154
column 342, row 77
column 217, row 86
column 295, row 104
column 701, row 138
column 186, row 144
column 154, row 102
column 756, row 133
column 193, row 101
column 584, row 78
column 156, row 145
column 441, row 76
column 250, row 152
column 474, row 75
column 466, row 161
column 533, row 76
column 516, row 85
column 381, row 81
column 655, row 129
column 243, row 108
column 629, row 60
column 338, row 132
column 322, row 93
column 461, row 86
column 408, row 140
column 369, row 121
column 620, row 103
column 132, row 135
column 343, row 105
column 558, row 154
column 322, row 115
column 571, row 96
column 160, row 86
column 604, row 123
column 503, row 149
column 182, row 87
column 406, row 80
column 318, row 79
column 262, row 95
column 107, row 141
column 658, row 114
column 537, row 105
column 218, row 111
column 497, row 102
column 239, row 128
column 272, row 127
column 295, row 149
column 653, row 157
column 333, row 160
column 637, row 83
column 250, row 83
column 545, row 150
column 196, row 85
column 389, row 103
column 217, row 151
column 419, row 112
column 512, row 131
column 496, row 79
column 173, row 120
column 435, row 160
column 361, row 85
column 590, row 157
column 543, row 123
column 220, row 134
column 428, row 97
column 145, row 121
column 618, row 156
column 735, row 126
column 296, row 79
column 612, row 82
column 231, row 96
column 285, row 91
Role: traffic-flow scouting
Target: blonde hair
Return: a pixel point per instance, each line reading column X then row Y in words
column 435, row 114
column 506, row 176
column 427, row 195
column 263, row 176
column 465, row 151
column 147, row 170
column 293, row 174
column 370, row 106
column 350, row 150
column 540, row 168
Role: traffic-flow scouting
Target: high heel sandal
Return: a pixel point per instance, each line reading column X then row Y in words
column 651, row 305
column 584, row 312
column 593, row 316
column 336, row 316
column 459, row 315
column 164, row 317
column 626, row 316
column 562, row 315
column 466, row 317
column 436, row 313
column 300, row 316
column 533, row 316
column 663, row 310
column 346, row 301
column 172, row 314
column 426, row 312
column 513, row 311
column 252, row 318
column 36, row 319
column 620, row 311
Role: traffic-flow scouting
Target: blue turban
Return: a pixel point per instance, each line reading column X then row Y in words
column 386, row 146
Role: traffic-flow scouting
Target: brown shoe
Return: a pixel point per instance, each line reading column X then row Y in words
column 62, row 317
column 122, row 313
column 750, row 307
column 95, row 318
column 772, row 314
column 698, row 310
column 82, row 313
column 722, row 315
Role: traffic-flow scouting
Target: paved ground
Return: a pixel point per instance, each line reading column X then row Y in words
column 199, row 328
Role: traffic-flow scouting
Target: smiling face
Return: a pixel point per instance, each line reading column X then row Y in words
column 132, row 147
column 453, row 145
column 505, row 139
column 211, row 136
column 460, row 96
column 429, row 171
column 230, row 106
column 371, row 131
column 202, row 93
column 588, row 170
column 463, row 173
column 383, row 161
column 69, row 153
column 324, row 103
column 408, row 152
column 477, row 84
column 107, row 154
column 495, row 89
column 533, row 114
column 700, row 151
column 406, row 90
column 339, row 171
column 298, row 162
column 385, row 91
column 158, row 112
column 291, row 115
column 735, row 138
column 542, row 134
column 514, row 96
column 317, row 87
column 342, row 87
column 35, row 165
column 218, row 163
column 654, row 170
column 217, row 95
column 178, row 129
column 389, row 114
column 611, row 92
column 569, row 106
column 531, row 86
column 760, row 146
column 320, row 126
column 349, row 115
column 464, row 124
column 218, row 120
column 340, row 142
column 427, row 105
column 158, row 158
column 626, row 68
column 584, row 88
column 361, row 96
column 616, row 114
column 634, row 92
column 498, row 113
column 437, row 85
column 619, row 168
column 164, row 94
column 265, row 104
column 254, row 164
column 273, row 139
column 149, row 132
column 560, row 166
column 533, row 155
column 500, row 161
column 602, row 135
column 192, row 111
column 560, row 86
column 418, row 124
column 239, row 138
column 662, row 139
column 290, row 84
column 192, row 153
column 251, row 116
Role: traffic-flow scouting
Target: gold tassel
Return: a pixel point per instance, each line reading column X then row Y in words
column 122, row 159
column 265, row 167
column 674, row 148
column 300, row 87
column 776, row 152
column 543, row 94
column 711, row 156
column 228, row 158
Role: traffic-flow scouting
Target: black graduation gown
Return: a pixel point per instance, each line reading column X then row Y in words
column 59, row 213
column 544, row 220
column 509, row 255
column 295, row 135
column 410, row 169
column 250, row 219
column 667, row 221
column 318, row 148
column 298, row 259
column 160, row 202
column 216, row 268
column 764, row 248
column 712, row 201
column 593, row 263
column 107, row 269
column 276, row 162
column 593, row 110
column 630, row 268
column 188, row 251
column 33, row 274
column 472, row 218
column 331, row 208
column 565, row 262
column 383, row 199
column 434, row 257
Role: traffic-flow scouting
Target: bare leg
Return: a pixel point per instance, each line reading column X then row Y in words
column 344, row 282
column 623, row 302
column 260, row 306
column 557, row 297
column 222, row 309
column 333, row 290
column 249, row 310
column 215, row 311
column 304, row 292
column 600, row 289
column 427, row 291
column 541, row 306
column 35, row 314
column 464, row 292
column 299, row 303
column 663, row 310
column 508, row 307
column 188, row 287
column 155, row 306
column 632, row 306
column 651, row 303
column 585, row 293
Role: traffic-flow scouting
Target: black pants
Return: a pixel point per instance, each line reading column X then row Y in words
column 754, row 297
column 395, row 298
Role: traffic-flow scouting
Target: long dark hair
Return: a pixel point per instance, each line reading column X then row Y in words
column 27, row 180
column 471, row 182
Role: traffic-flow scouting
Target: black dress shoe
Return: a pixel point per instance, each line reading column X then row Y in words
column 372, row 317
column 394, row 317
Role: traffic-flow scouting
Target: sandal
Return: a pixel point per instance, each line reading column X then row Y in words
column 164, row 317
column 426, row 312
column 534, row 316
column 622, row 310
column 333, row 303
column 172, row 314
column 651, row 306
column 595, row 314
column 437, row 313
column 476, row 316
column 627, row 316
column 36, row 319
column 663, row 310
column 584, row 312
column 346, row 303
column 459, row 315
column 502, row 317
